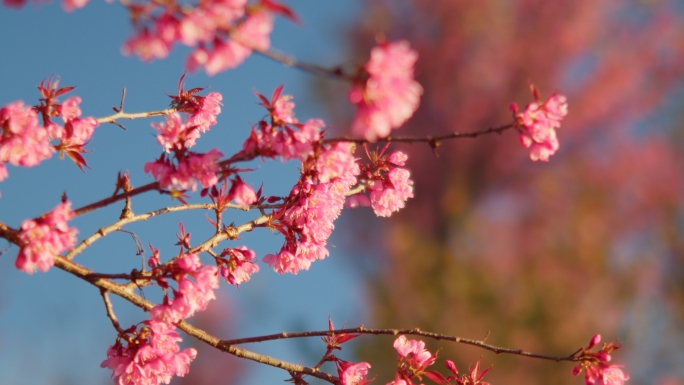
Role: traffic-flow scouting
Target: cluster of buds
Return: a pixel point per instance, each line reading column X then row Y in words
column 597, row 371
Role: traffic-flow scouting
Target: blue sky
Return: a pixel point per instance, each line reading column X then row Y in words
column 53, row 327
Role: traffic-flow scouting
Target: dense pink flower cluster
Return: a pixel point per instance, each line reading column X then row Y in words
column 284, row 136
column 183, row 169
column 223, row 32
column 190, row 296
column 23, row 141
column 390, row 195
column 190, row 169
column 174, row 134
column 314, row 204
column 251, row 33
column 390, row 95
column 76, row 131
column 45, row 237
column 597, row 371
column 537, row 125
column 239, row 267
column 388, row 192
column 288, row 142
column 151, row 358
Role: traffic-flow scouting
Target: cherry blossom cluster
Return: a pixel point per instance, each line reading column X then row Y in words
column 597, row 371
column 151, row 355
column 537, row 124
column 223, row 32
column 413, row 360
column 388, row 94
column 239, row 267
column 283, row 136
column 328, row 172
column 26, row 142
column 178, row 168
column 43, row 238
column 389, row 186
column 306, row 219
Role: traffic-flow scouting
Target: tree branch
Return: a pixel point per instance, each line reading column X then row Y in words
column 127, row 294
column 415, row 332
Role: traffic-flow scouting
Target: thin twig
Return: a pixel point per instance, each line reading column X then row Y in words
column 434, row 141
column 291, row 61
column 110, row 311
column 136, row 115
column 230, row 232
column 415, row 332
column 136, row 218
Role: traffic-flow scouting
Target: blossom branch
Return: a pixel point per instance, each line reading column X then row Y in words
column 362, row 330
column 291, row 61
column 434, row 141
column 126, row 292
column 230, row 232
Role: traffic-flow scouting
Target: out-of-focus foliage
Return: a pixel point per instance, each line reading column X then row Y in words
column 542, row 255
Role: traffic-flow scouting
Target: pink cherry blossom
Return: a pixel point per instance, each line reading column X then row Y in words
column 174, row 134
column 189, row 263
column 23, row 142
column 155, row 357
column 337, row 162
column 285, row 262
column 191, row 169
column 72, row 5
column 240, row 266
column 242, row 193
column 76, row 131
column 205, row 115
column 283, row 110
column 147, row 46
column 414, row 354
column 191, row 295
column 612, row 375
column 44, row 238
column 398, row 158
column 390, row 95
column 594, row 364
column 269, row 141
column 314, row 208
column 357, row 200
column 537, row 126
column 198, row 26
column 387, row 199
column 225, row 55
column 353, row 374
column 254, row 31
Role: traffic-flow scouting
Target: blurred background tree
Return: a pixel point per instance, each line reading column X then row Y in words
column 542, row 255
